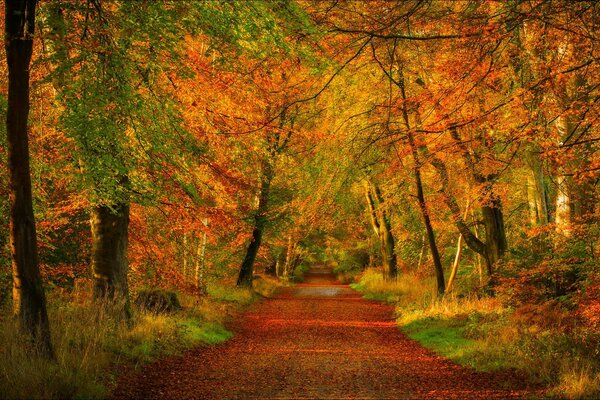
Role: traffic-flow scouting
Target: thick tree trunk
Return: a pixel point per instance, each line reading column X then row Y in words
column 576, row 198
column 495, row 235
column 110, row 229
column 29, row 300
column 279, row 264
column 260, row 220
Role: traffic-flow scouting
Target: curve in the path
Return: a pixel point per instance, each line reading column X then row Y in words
column 317, row 340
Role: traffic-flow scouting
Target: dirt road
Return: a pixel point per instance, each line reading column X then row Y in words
column 317, row 340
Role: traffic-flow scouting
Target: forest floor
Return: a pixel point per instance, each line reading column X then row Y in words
column 317, row 340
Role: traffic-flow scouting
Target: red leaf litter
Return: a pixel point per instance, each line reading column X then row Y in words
column 317, row 340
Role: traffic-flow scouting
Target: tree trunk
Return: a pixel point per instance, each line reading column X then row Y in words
column 454, row 269
column 289, row 257
column 110, row 229
column 495, row 234
column 477, row 255
column 435, row 255
column 458, row 254
column 387, row 239
column 495, row 241
column 280, row 263
column 200, row 273
column 536, row 189
column 29, row 300
column 423, row 253
column 383, row 229
column 184, row 253
column 576, row 198
column 260, row 220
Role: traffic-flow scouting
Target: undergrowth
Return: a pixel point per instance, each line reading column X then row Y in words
column 90, row 344
column 487, row 335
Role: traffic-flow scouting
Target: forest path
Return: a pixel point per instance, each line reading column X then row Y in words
column 316, row 340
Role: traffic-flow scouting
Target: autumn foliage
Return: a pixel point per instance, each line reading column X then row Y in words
column 235, row 140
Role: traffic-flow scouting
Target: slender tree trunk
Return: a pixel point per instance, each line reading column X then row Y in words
column 29, row 300
column 477, row 255
column 435, row 255
column 457, row 256
column 383, row 229
column 110, row 230
column 289, row 257
column 423, row 252
column 387, row 238
column 454, row 269
column 184, row 253
column 260, row 220
column 200, row 273
column 536, row 189
column 371, row 251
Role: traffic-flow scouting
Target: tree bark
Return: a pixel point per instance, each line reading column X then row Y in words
column 29, row 300
column 260, row 220
column 110, row 230
column 495, row 234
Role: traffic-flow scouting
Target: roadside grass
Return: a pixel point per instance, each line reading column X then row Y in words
column 374, row 287
column 482, row 333
column 90, row 343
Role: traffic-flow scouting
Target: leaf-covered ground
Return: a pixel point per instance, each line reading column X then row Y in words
column 317, row 340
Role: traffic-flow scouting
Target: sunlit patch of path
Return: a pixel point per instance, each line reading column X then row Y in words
column 317, row 340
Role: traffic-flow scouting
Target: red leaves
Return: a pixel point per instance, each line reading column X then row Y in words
column 317, row 340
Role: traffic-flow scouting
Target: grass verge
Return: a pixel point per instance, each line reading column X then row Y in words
column 482, row 333
column 90, row 344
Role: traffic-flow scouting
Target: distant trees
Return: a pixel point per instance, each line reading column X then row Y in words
column 490, row 102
